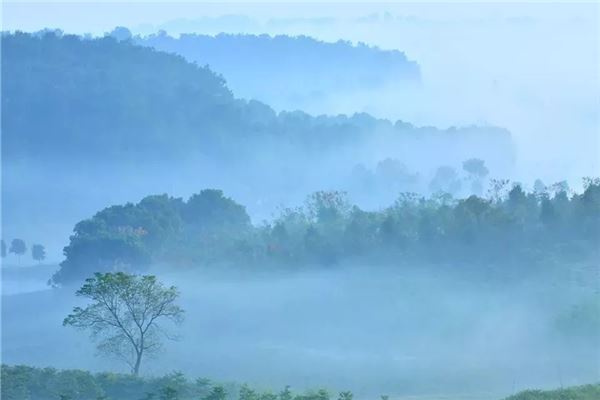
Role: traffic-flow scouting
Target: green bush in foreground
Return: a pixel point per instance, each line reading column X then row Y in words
column 585, row 392
column 20, row 382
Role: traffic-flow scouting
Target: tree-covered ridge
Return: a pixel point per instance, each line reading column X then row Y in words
column 508, row 227
column 287, row 67
column 68, row 95
column 23, row 382
column 295, row 53
column 76, row 98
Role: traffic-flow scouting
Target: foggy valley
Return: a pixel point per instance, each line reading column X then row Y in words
column 300, row 202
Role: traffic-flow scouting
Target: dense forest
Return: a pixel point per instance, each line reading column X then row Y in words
column 119, row 98
column 22, row 382
column 145, row 121
column 289, row 72
column 537, row 228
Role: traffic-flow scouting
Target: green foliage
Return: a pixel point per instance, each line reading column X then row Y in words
column 22, row 382
column 125, row 314
column 320, row 394
column 208, row 227
column 285, row 394
column 211, row 229
column 18, row 247
column 217, row 393
column 38, row 252
column 168, row 393
column 476, row 167
column 106, row 99
column 100, row 85
column 28, row 383
column 585, row 392
column 310, row 65
column 247, row 394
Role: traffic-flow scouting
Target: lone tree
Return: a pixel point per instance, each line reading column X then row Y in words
column 2, row 248
column 125, row 314
column 18, row 247
column 38, row 252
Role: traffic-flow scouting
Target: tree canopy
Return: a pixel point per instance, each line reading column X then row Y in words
column 211, row 229
column 38, row 252
column 290, row 71
column 17, row 247
column 122, row 100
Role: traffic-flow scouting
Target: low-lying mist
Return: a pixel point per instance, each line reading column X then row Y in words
column 404, row 331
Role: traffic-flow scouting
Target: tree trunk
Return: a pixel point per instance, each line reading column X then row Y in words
column 138, row 361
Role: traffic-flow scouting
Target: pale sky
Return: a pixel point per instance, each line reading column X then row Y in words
column 97, row 17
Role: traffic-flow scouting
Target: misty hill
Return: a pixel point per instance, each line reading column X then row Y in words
column 291, row 72
column 134, row 120
column 540, row 229
column 104, row 99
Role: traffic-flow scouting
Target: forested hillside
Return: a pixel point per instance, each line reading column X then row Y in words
column 292, row 72
column 118, row 98
column 78, row 110
column 510, row 229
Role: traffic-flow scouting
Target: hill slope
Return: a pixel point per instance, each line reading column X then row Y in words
column 135, row 121
column 292, row 72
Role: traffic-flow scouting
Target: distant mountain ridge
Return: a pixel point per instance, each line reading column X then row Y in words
column 135, row 120
column 289, row 71
column 110, row 97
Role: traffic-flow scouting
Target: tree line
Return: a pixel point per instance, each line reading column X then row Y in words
column 23, row 382
column 509, row 226
column 132, row 102
column 18, row 247
column 288, row 72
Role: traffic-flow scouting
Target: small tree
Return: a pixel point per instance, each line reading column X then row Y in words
column 247, row 394
column 125, row 314
column 347, row 395
column 18, row 247
column 216, row 393
column 286, row 393
column 38, row 252
column 169, row 393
